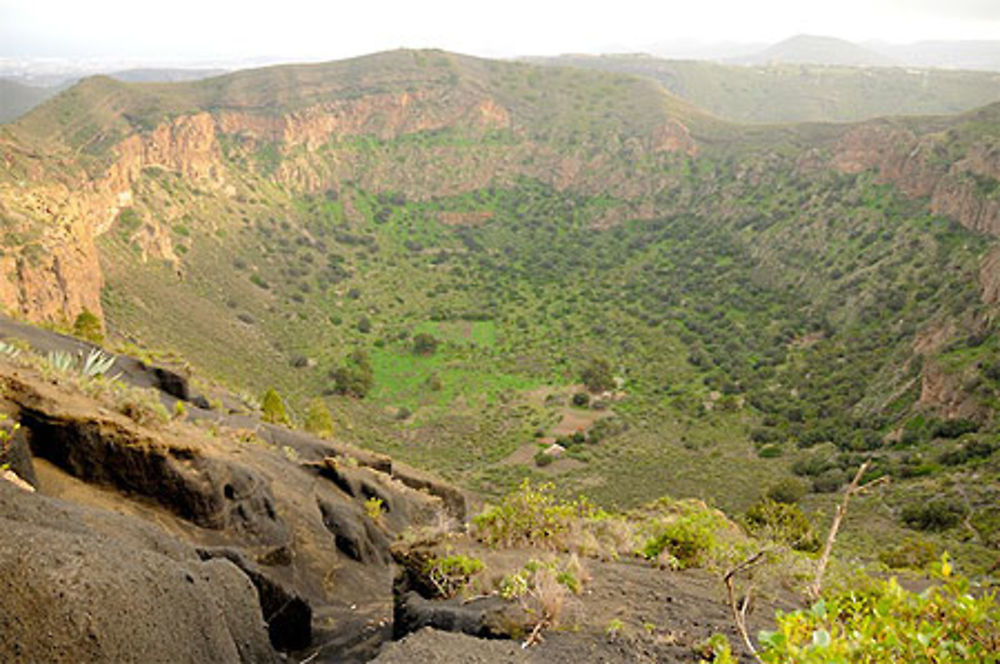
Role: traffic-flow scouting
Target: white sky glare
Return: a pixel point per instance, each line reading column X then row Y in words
column 185, row 30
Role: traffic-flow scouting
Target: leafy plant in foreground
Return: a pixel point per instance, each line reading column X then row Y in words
column 886, row 623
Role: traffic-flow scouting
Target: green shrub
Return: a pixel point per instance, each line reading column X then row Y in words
column 597, row 375
column 953, row 428
column 940, row 514
column 425, row 344
column 789, row 490
column 581, row 399
column 318, row 418
column 273, row 408
column 87, row 326
column 543, row 459
column 784, row 522
column 911, row 553
column 531, row 516
column 945, row 624
column 690, row 537
column 356, row 376
column 451, row 574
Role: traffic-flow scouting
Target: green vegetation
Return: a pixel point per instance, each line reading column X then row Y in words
column 443, row 290
column 272, row 408
column 87, row 326
column 318, row 419
column 886, row 623
column 451, row 574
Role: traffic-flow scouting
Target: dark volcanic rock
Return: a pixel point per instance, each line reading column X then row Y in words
column 354, row 533
column 117, row 592
column 207, row 492
column 18, row 456
column 287, row 614
column 489, row 617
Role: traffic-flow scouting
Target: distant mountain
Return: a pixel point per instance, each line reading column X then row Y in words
column 803, row 92
column 16, row 99
column 947, row 54
column 687, row 49
column 812, row 49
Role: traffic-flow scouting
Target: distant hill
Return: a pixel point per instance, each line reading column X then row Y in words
column 984, row 55
column 16, row 99
column 812, row 49
column 146, row 75
column 803, row 92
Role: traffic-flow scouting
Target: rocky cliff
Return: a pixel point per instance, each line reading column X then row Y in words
column 65, row 207
column 958, row 186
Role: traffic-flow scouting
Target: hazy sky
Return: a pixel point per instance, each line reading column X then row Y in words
column 204, row 29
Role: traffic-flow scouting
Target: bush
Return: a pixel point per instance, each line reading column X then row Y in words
column 581, row 399
column 88, row 327
column 691, row 538
column 953, row 428
column 318, row 418
column 934, row 515
column 451, row 574
column 425, row 344
column 597, row 375
column 531, row 516
column 770, row 452
column 789, row 490
column 829, row 481
column 543, row 459
column 356, row 377
column 911, row 553
column 273, row 408
column 945, row 624
column 783, row 522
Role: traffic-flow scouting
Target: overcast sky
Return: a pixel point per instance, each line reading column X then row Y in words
column 179, row 30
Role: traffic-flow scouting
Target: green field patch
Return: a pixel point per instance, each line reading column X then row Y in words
column 403, row 378
column 478, row 333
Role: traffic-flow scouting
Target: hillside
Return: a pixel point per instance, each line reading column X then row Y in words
column 819, row 50
column 468, row 261
column 16, row 99
column 781, row 93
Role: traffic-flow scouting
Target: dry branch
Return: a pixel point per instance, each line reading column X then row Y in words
column 824, row 559
column 740, row 612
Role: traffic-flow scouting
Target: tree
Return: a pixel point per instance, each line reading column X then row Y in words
column 273, row 408
column 318, row 418
column 88, row 326
column 356, row 376
column 597, row 375
column 424, row 344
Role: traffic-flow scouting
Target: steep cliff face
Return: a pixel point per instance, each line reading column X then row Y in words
column 919, row 166
column 58, row 275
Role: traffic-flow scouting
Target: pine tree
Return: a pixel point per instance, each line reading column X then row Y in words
column 273, row 408
column 318, row 418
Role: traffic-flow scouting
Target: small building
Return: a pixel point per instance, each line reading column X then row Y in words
column 555, row 450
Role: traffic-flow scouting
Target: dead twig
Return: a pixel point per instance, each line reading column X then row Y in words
column 740, row 612
column 824, row 559
column 536, row 634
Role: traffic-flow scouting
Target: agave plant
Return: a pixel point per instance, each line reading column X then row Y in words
column 60, row 360
column 97, row 363
column 9, row 350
